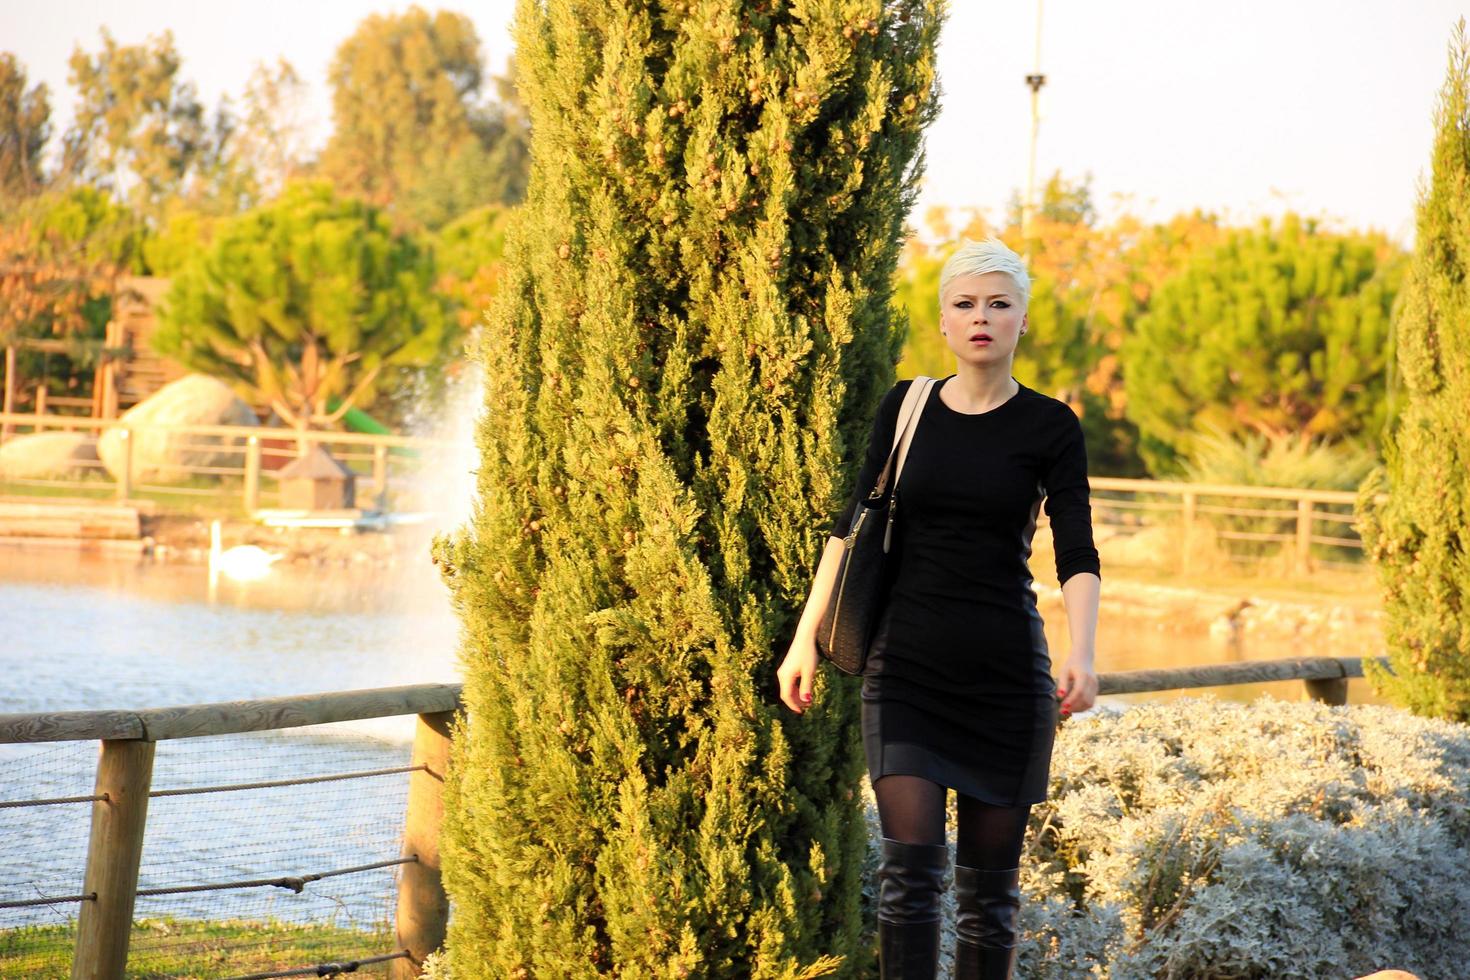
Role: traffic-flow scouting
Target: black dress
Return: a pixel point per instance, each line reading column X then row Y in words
column 958, row 684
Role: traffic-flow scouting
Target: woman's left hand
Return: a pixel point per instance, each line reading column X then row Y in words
column 1077, row 687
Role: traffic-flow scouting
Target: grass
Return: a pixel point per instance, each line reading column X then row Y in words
column 221, row 500
column 171, row 947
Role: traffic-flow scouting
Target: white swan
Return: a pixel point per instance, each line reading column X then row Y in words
column 243, row 563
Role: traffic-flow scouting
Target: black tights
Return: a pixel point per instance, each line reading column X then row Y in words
column 912, row 809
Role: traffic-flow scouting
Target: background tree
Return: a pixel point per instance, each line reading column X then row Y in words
column 139, row 130
column 252, row 151
column 411, row 130
column 1091, row 282
column 60, row 255
column 1417, row 536
column 1278, row 329
column 469, row 258
column 25, row 126
column 682, row 365
column 304, row 304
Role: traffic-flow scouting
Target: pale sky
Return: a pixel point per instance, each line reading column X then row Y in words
column 1246, row 108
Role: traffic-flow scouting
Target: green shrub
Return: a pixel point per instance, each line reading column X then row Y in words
column 1270, row 460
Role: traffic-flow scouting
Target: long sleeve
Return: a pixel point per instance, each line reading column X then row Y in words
column 880, row 444
column 1067, row 502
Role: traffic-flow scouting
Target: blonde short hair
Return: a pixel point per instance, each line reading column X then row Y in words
column 974, row 258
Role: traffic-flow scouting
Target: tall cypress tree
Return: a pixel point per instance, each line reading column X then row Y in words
column 1418, row 538
column 681, row 365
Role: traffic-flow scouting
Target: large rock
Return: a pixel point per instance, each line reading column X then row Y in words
column 158, row 455
column 48, row 454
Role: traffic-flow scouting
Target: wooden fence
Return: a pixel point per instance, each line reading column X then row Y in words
column 378, row 460
column 1291, row 521
column 125, row 767
column 1307, row 529
column 124, row 786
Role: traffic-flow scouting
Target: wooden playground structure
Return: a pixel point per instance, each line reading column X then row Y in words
column 128, row 369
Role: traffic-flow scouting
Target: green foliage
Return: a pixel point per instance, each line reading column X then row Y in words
column 1280, row 329
column 410, row 132
column 1274, row 460
column 469, row 258
column 681, row 368
column 182, row 235
column 306, row 300
column 1270, row 460
column 1081, row 286
column 89, row 220
column 1418, row 534
column 25, row 125
column 62, row 251
column 139, row 130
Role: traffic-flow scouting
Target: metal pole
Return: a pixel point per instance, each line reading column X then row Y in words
column 1034, row 80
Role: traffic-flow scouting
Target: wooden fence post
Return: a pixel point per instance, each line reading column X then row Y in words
column 124, row 774
column 380, row 476
column 1328, row 690
column 40, row 403
column 1304, row 511
column 1187, row 537
column 7, row 405
column 423, row 907
column 252, row 474
column 125, row 471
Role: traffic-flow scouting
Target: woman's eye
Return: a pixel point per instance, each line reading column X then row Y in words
column 1002, row 304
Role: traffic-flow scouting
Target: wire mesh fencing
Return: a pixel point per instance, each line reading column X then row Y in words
column 264, row 853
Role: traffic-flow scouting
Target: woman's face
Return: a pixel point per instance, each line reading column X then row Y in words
column 985, row 305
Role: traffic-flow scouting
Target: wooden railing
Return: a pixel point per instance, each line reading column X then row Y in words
column 373, row 456
column 1147, row 503
column 124, row 782
column 1292, row 522
column 124, row 785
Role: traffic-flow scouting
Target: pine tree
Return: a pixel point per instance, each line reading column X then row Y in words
column 1280, row 329
column 1417, row 536
column 309, row 304
column 681, row 368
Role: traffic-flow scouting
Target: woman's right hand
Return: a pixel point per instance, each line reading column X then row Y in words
column 796, row 673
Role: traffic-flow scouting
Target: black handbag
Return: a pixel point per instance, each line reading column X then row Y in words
column 846, row 627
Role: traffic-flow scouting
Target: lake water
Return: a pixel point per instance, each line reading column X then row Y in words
column 83, row 633
column 92, row 634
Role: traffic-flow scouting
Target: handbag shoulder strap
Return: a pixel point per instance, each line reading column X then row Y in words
column 913, row 422
column 903, row 431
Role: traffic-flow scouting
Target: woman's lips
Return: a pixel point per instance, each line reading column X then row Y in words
column 980, row 341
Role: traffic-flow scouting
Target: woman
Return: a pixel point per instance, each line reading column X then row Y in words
column 957, row 692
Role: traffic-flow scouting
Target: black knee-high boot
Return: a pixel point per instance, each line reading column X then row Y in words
column 910, row 886
column 986, row 904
